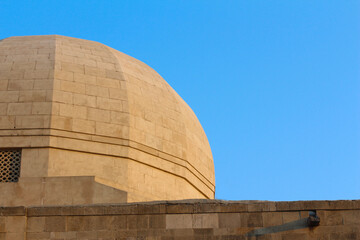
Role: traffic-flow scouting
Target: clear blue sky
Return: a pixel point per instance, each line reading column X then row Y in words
column 275, row 84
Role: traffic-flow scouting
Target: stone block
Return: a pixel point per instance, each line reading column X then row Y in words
column 112, row 130
column 97, row 91
column 5, row 66
column 19, row 74
column 14, row 236
column 151, row 208
column 85, row 126
column 2, row 225
column 258, row 207
column 44, row 64
column 272, row 219
column 341, row 204
column 3, row 85
column 9, row 96
column 304, row 214
column 34, row 121
column 94, row 71
column 206, row 233
column 73, row 111
column 123, row 209
column 251, row 219
column 117, row 93
column 176, row 221
column 347, row 236
column 37, row 235
column 41, row 211
column 313, row 205
column 88, row 223
column 23, row 65
column 207, row 207
column 106, row 65
column 41, row 108
column 35, row 224
column 126, row 234
column 19, row 109
column 55, row 224
column 86, row 235
column 20, row 85
column 288, row 217
column 229, row 220
column 63, row 235
column 137, row 221
column 118, row 222
column 7, row 122
column 157, row 221
column 45, row 84
column 72, row 67
column 331, row 218
column 73, row 87
column 12, row 211
column 62, row 97
column 295, row 236
column 108, row 82
column 84, row 100
column 83, row 78
column 32, row 96
column 234, row 207
column 59, row 122
column 351, row 217
column 34, row 162
column 205, row 220
column 15, row 224
column 114, row 74
column 109, row 104
column 63, row 75
column 98, row 115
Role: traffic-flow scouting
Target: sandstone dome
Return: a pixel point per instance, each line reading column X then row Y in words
column 78, row 108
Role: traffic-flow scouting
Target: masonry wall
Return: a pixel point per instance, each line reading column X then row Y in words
column 79, row 108
column 209, row 219
column 55, row 191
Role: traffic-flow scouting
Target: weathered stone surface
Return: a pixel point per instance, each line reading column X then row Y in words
column 12, row 211
column 175, row 221
column 57, row 191
column 107, row 115
column 229, row 220
column 143, row 221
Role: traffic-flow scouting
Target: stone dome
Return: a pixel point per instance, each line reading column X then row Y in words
column 79, row 108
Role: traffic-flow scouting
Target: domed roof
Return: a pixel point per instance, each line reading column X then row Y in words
column 101, row 112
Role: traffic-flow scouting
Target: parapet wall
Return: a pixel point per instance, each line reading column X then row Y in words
column 190, row 219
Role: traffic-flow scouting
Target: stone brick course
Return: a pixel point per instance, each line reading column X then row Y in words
column 188, row 219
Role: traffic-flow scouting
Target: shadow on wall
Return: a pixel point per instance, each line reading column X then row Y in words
column 310, row 221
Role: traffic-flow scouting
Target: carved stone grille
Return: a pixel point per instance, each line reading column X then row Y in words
column 10, row 165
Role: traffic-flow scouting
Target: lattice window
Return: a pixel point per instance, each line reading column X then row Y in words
column 10, row 165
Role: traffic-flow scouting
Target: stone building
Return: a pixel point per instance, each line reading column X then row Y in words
column 94, row 144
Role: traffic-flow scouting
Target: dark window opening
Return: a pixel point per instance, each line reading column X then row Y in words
column 10, row 160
